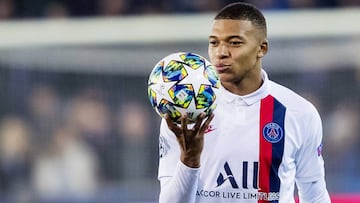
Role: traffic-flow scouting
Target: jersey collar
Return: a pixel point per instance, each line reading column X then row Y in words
column 251, row 98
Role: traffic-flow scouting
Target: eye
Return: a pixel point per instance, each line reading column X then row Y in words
column 213, row 42
column 235, row 43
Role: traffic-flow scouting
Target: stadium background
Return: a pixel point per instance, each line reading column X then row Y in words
column 75, row 121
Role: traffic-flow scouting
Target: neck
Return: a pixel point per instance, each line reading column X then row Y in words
column 246, row 85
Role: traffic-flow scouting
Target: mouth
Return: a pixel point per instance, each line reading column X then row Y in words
column 221, row 68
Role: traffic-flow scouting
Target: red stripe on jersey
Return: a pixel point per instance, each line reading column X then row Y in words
column 266, row 116
column 272, row 133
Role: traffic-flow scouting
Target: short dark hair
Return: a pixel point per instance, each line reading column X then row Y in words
column 243, row 11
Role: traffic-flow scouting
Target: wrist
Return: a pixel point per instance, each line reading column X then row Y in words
column 190, row 161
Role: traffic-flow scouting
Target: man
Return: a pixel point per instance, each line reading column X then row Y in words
column 260, row 141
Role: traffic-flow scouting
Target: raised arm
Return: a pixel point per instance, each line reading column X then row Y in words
column 179, row 184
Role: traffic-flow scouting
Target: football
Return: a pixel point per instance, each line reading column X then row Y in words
column 183, row 83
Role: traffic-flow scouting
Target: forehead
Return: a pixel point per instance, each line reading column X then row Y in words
column 230, row 27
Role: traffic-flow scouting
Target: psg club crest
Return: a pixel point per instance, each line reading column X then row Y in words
column 273, row 133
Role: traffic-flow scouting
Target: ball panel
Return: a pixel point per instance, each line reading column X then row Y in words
column 156, row 74
column 205, row 97
column 211, row 74
column 209, row 110
column 182, row 94
column 166, row 107
column 152, row 97
column 174, row 71
column 192, row 60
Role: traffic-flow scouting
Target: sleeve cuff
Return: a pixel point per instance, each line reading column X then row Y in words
column 188, row 170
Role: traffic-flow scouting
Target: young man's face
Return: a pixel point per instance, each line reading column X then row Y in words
column 235, row 48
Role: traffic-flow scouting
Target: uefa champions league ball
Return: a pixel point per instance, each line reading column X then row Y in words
column 183, row 83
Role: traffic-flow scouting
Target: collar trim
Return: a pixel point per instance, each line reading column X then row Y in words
column 251, row 98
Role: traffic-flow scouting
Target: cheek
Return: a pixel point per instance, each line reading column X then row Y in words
column 245, row 60
column 248, row 55
column 211, row 54
column 241, row 57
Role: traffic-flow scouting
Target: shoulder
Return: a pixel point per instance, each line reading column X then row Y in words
column 294, row 103
column 302, row 118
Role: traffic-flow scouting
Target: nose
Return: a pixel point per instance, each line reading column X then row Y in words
column 222, row 51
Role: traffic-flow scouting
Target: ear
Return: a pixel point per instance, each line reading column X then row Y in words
column 264, row 46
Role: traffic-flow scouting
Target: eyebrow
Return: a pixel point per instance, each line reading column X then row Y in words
column 229, row 37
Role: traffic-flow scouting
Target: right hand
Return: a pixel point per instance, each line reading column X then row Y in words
column 191, row 141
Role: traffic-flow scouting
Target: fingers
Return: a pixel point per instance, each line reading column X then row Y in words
column 206, row 124
column 183, row 120
column 168, row 120
column 199, row 126
column 199, row 120
column 210, row 118
column 170, row 123
column 174, row 127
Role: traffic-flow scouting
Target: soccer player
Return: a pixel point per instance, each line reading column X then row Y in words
column 260, row 141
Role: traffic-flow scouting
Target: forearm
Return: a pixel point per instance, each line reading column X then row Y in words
column 181, row 187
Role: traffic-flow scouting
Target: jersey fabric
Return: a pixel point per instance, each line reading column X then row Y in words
column 255, row 150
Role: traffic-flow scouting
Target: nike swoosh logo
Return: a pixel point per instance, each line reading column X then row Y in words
column 209, row 129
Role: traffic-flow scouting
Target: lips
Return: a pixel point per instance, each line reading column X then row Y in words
column 222, row 67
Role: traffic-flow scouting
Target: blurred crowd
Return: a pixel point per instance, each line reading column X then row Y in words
column 20, row 9
column 68, row 137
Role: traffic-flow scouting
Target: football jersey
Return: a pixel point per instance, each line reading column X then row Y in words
column 256, row 147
